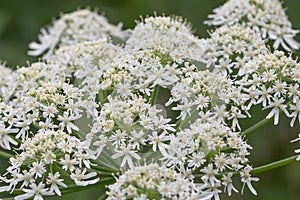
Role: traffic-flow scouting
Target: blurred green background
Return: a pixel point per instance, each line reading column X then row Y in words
column 20, row 23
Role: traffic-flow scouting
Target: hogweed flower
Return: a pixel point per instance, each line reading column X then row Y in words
column 73, row 28
column 7, row 82
column 93, row 110
column 49, row 149
column 229, row 47
column 172, row 36
column 155, row 181
column 268, row 17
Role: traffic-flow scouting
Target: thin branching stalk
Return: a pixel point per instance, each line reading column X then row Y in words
column 274, row 165
column 154, row 95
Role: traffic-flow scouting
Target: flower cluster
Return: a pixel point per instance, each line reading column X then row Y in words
column 273, row 81
column 38, row 119
column 93, row 109
column 171, row 36
column 266, row 16
column 7, row 82
column 39, row 163
column 155, row 182
column 229, row 47
column 73, row 28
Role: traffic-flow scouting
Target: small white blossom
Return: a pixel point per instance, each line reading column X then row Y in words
column 276, row 106
column 127, row 153
column 267, row 16
column 80, row 177
column 72, row 28
column 5, row 139
column 247, row 179
column 54, row 181
column 36, row 192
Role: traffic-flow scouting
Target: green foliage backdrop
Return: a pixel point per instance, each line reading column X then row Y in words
column 20, row 22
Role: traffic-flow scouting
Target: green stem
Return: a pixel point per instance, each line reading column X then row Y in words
column 80, row 134
column 262, row 168
column 154, row 95
column 256, row 126
column 102, row 197
column 104, row 174
column 274, row 165
column 5, row 154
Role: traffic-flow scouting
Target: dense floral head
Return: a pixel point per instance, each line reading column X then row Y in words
column 54, row 150
column 229, row 47
column 73, row 28
column 94, row 110
column 155, row 182
column 267, row 16
column 167, row 35
column 8, row 82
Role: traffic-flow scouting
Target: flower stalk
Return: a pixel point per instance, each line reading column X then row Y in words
column 274, row 165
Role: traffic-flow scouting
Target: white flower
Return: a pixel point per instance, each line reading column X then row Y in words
column 264, row 95
column 118, row 138
column 236, row 114
column 8, row 82
column 127, row 153
column 66, row 119
column 209, row 175
column 36, row 192
column 68, row 164
column 24, row 126
column 276, row 106
column 197, row 159
column 221, row 162
column 184, row 108
column 97, row 108
column 73, row 28
column 268, row 17
column 54, row 181
column 227, row 182
column 38, row 168
column 26, row 177
column 137, row 139
column 5, row 139
column 48, row 40
column 167, row 35
column 295, row 113
column 80, row 176
column 157, row 142
column 163, row 182
column 231, row 47
column 220, row 113
column 247, row 179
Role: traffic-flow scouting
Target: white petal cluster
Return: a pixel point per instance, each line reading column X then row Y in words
column 7, row 82
column 273, row 80
column 43, row 151
column 37, row 122
column 166, row 35
column 266, row 16
column 74, row 28
column 229, row 47
column 153, row 181
column 94, row 109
